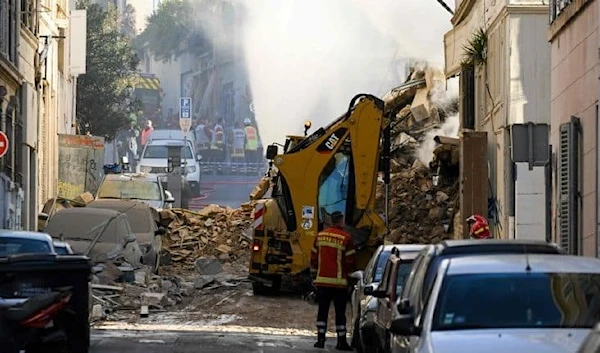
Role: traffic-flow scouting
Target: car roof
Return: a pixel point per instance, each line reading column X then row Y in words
column 61, row 244
column 404, row 247
column 449, row 247
column 87, row 211
column 132, row 177
column 166, row 142
column 119, row 205
column 169, row 134
column 8, row 233
column 539, row 263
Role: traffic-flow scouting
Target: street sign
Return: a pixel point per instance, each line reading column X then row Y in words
column 3, row 144
column 185, row 114
column 530, row 144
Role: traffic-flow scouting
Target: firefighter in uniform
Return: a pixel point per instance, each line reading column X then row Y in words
column 478, row 227
column 203, row 135
column 237, row 150
column 251, row 147
column 218, row 145
column 334, row 257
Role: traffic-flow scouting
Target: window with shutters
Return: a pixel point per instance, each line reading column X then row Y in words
column 467, row 89
column 568, row 186
column 8, row 29
column 28, row 14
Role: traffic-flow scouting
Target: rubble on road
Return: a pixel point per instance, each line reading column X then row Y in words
column 212, row 231
column 421, row 211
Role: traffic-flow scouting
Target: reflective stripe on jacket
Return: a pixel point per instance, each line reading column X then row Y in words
column 252, row 143
column 334, row 257
column 218, row 140
column 202, row 140
column 239, row 138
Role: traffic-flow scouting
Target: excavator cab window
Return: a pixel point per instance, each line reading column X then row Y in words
column 281, row 194
column 334, row 187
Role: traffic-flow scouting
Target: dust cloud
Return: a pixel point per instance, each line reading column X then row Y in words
column 306, row 59
column 449, row 128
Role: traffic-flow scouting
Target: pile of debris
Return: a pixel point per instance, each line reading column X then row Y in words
column 222, row 233
column 423, row 198
column 120, row 292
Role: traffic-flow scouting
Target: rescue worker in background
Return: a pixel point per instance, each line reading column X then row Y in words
column 218, row 145
column 237, row 151
column 251, row 147
column 478, row 227
column 334, row 257
column 146, row 132
column 203, row 135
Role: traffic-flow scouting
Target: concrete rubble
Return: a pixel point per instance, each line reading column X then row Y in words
column 421, row 211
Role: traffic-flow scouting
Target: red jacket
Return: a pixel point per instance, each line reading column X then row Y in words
column 333, row 256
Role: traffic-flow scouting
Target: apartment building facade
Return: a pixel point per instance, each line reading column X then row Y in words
column 573, row 35
column 510, row 86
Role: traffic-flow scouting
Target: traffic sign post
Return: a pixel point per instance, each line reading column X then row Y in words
column 185, row 114
column 3, row 144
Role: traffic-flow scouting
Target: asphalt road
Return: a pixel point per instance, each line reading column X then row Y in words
column 225, row 190
column 184, row 342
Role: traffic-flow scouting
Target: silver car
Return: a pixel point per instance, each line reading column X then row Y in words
column 140, row 187
column 503, row 303
column 364, row 307
column 14, row 242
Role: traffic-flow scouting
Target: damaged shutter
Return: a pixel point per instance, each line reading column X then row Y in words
column 467, row 89
column 568, row 182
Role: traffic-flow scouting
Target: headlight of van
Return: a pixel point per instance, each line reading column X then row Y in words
column 145, row 169
column 190, row 169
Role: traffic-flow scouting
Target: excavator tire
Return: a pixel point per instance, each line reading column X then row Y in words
column 260, row 289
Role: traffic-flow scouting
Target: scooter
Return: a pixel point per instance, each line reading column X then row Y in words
column 30, row 324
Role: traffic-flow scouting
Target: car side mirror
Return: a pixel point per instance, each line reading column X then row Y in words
column 169, row 197
column 378, row 293
column 404, row 325
column 272, row 151
column 404, row 307
column 359, row 275
column 161, row 231
column 198, row 158
column 130, row 238
column 43, row 216
column 368, row 290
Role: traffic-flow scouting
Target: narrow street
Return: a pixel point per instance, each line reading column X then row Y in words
column 109, row 341
column 224, row 191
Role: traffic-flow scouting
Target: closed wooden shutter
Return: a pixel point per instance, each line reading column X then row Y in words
column 467, row 99
column 4, row 28
column 568, row 186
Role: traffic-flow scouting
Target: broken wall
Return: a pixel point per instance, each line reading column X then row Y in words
column 80, row 164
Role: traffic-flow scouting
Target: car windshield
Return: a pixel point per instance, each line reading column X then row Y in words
column 11, row 246
column 129, row 189
column 61, row 249
column 518, row 300
column 403, row 272
column 161, row 152
column 381, row 261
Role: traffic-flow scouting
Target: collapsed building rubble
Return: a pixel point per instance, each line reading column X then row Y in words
column 423, row 198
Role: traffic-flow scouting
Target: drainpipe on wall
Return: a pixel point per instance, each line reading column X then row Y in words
column 510, row 178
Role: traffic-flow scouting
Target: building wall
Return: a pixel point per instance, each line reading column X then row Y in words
column 512, row 88
column 574, row 92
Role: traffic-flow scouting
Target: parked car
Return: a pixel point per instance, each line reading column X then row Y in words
column 144, row 188
column 98, row 233
column 63, row 248
column 23, row 242
column 418, row 285
column 591, row 344
column 396, row 271
column 364, row 307
column 143, row 221
column 154, row 160
column 503, row 303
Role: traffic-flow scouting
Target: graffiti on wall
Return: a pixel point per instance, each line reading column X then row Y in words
column 79, row 158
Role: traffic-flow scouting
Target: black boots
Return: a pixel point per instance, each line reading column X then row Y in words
column 342, row 345
column 320, row 341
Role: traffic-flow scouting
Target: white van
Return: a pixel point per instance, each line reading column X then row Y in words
column 154, row 160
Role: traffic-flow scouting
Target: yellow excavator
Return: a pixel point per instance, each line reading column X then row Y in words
column 333, row 169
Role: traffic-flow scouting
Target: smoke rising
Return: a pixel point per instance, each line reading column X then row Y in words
column 307, row 58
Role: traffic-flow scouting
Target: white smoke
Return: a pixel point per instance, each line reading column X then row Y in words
column 449, row 128
column 306, row 59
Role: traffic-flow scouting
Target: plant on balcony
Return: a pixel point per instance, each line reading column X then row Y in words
column 476, row 49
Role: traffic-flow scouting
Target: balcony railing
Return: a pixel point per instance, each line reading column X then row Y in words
column 556, row 7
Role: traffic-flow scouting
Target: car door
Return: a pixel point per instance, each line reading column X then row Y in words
column 382, row 303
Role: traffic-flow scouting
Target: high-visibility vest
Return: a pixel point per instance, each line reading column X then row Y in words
column 334, row 257
column 202, row 140
column 239, row 136
column 218, row 137
column 252, row 142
